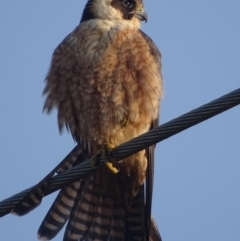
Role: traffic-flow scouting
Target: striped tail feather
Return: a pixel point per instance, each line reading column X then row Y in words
column 102, row 220
column 95, row 216
column 91, row 213
column 34, row 197
column 83, row 212
column 136, row 220
column 118, row 224
column 59, row 212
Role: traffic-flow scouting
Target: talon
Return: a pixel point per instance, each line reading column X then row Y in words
column 105, row 153
column 110, row 164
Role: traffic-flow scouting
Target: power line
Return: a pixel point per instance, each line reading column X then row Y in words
column 126, row 149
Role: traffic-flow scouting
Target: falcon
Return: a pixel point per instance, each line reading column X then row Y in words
column 105, row 81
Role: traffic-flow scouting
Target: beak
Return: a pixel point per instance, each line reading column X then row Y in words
column 141, row 15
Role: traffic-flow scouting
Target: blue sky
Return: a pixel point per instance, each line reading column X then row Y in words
column 197, row 174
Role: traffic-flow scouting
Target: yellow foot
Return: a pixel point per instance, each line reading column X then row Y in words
column 111, row 166
column 105, row 153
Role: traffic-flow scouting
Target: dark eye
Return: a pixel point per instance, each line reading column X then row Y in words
column 129, row 3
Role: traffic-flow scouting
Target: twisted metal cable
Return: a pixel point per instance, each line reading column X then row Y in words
column 126, row 149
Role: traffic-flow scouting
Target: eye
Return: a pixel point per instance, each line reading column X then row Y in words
column 129, row 3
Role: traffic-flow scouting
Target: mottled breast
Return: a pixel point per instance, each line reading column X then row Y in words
column 105, row 79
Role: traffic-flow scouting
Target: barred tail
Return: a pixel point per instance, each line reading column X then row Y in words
column 95, row 216
column 59, row 212
column 34, row 197
column 91, row 216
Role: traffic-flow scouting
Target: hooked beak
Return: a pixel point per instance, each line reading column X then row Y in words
column 141, row 15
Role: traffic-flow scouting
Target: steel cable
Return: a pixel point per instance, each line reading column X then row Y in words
column 126, row 149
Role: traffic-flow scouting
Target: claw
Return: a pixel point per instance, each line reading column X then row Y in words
column 110, row 166
column 105, row 153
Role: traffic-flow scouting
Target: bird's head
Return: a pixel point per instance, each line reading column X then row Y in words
column 116, row 10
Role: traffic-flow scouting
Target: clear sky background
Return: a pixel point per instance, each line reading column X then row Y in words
column 197, row 175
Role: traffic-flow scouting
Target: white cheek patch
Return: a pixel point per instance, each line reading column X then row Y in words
column 103, row 10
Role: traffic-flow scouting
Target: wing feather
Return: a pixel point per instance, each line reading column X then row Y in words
column 150, row 223
column 34, row 197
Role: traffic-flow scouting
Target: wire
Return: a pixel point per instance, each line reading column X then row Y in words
column 126, row 149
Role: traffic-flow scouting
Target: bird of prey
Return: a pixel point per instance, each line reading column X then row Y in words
column 105, row 81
